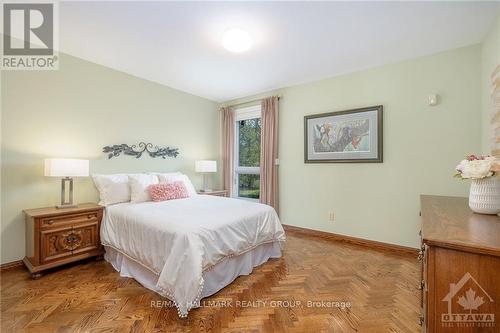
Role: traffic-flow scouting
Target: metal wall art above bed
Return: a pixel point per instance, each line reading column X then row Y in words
column 138, row 150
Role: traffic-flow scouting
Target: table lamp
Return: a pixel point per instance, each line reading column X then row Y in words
column 205, row 166
column 66, row 169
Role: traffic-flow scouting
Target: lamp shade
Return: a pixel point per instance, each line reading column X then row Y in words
column 66, row 167
column 205, row 166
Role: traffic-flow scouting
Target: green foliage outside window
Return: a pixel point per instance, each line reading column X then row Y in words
column 249, row 141
column 249, row 156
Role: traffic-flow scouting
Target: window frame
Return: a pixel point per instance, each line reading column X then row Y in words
column 244, row 113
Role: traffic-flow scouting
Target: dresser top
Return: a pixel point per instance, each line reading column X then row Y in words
column 449, row 222
column 54, row 211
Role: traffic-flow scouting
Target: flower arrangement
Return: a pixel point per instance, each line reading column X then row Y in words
column 478, row 167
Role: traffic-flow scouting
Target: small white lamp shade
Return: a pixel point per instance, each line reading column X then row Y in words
column 205, row 166
column 66, row 167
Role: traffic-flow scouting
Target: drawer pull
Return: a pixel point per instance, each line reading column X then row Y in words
column 421, row 286
column 420, row 256
column 50, row 222
column 72, row 240
column 90, row 216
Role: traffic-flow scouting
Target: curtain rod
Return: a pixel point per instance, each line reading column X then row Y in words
column 248, row 102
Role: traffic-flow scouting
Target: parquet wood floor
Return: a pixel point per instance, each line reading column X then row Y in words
column 381, row 288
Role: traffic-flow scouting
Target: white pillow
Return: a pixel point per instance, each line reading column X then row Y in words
column 139, row 184
column 169, row 178
column 112, row 189
column 166, row 174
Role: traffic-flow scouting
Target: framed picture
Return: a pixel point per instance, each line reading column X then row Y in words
column 351, row 136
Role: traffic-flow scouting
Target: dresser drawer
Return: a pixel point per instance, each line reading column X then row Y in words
column 68, row 220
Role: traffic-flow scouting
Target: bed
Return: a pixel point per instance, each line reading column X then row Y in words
column 188, row 249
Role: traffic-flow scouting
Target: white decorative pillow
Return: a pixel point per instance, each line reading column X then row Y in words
column 139, row 186
column 172, row 177
column 112, row 189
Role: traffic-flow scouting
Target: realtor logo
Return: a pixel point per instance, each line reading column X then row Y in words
column 465, row 300
column 29, row 36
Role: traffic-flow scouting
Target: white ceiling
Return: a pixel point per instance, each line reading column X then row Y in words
column 178, row 44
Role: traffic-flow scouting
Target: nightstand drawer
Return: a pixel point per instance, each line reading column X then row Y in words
column 68, row 241
column 67, row 220
column 217, row 193
column 56, row 244
column 89, row 234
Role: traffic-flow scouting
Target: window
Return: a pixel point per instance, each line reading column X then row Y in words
column 247, row 153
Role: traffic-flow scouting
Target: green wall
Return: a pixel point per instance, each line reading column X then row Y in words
column 74, row 112
column 422, row 145
column 490, row 59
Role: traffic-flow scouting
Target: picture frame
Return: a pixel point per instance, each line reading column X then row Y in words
column 350, row 136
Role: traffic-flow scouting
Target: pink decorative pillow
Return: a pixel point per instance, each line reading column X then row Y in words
column 168, row 191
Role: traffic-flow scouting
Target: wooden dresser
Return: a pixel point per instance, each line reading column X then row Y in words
column 58, row 236
column 461, row 267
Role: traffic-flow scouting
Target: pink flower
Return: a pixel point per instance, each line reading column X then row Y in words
column 473, row 157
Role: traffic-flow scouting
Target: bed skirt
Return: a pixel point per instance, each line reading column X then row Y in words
column 219, row 276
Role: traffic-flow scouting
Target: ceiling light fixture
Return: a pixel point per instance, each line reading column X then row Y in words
column 236, row 40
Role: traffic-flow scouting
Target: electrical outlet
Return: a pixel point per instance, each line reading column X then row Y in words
column 331, row 216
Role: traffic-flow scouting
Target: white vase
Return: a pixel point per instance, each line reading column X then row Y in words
column 484, row 197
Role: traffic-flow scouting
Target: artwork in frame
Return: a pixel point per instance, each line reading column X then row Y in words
column 351, row 136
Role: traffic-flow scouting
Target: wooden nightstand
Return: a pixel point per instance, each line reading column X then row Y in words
column 218, row 193
column 59, row 236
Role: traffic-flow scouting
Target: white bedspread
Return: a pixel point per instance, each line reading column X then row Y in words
column 180, row 239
